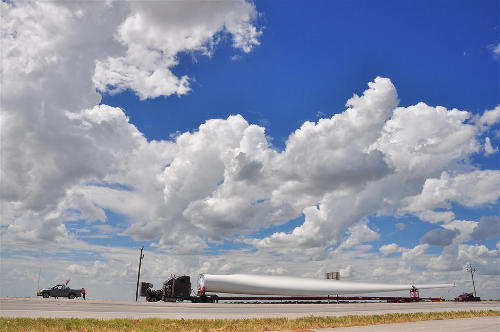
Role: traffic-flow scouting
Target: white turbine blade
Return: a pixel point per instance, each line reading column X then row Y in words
column 292, row 286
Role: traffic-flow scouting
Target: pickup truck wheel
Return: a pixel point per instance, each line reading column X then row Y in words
column 45, row 295
column 71, row 296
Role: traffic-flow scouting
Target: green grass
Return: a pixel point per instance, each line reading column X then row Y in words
column 262, row 324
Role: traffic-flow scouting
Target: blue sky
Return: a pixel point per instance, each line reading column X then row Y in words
column 274, row 137
column 314, row 56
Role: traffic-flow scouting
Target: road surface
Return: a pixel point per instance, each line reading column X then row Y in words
column 483, row 324
column 37, row 307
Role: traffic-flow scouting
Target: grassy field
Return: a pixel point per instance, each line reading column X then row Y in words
column 263, row 324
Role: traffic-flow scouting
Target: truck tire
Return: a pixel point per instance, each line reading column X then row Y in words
column 45, row 295
column 71, row 296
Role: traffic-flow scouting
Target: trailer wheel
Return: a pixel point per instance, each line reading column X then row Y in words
column 71, row 296
column 45, row 295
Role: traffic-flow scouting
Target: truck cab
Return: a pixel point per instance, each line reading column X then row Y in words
column 467, row 297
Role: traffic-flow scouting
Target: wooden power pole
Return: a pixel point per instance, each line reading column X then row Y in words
column 139, row 274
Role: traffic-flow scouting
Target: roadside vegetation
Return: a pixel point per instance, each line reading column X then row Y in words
column 262, row 324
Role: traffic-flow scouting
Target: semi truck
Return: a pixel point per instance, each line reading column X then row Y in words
column 174, row 289
column 275, row 288
column 467, row 297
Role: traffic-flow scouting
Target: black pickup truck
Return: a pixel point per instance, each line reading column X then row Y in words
column 59, row 291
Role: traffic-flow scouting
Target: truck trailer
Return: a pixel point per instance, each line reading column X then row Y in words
column 276, row 288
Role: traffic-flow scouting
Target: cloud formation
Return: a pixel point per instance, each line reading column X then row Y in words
column 439, row 237
column 155, row 33
column 67, row 160
column 470, row 189
column 55, row 136
column 488, row 227
column 488, row 148
column 496, row 51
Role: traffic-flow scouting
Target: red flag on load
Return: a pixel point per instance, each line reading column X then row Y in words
column 67, row 282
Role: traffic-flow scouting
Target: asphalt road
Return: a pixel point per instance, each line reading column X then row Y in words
column 37, row 307
column 483, row 324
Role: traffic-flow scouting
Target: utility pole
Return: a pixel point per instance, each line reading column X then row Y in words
column 139, row 274
column 472, row 270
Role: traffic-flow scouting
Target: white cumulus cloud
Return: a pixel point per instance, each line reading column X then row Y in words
column 488, row 148
column 471, row 189
column 67, row 159
column 155, row 32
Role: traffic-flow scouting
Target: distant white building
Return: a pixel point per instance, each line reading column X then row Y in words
column 333, row 275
